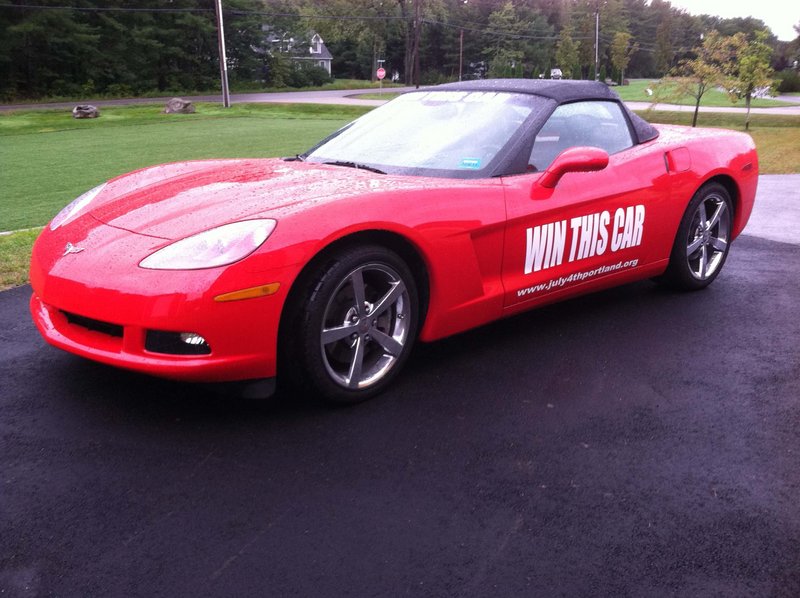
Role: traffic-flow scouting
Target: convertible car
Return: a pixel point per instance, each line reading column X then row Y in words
column 444, row 209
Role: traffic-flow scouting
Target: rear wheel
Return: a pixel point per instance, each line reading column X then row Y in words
column 357, row 325
column 703, row 240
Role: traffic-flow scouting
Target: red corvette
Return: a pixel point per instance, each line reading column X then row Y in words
column 443, row 210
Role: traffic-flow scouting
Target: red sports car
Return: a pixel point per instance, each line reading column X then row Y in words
column 443, row 210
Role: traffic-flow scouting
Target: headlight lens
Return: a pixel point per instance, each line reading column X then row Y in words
column 75, row 207
column 216, row 247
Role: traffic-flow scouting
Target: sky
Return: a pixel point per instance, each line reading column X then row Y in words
column 779, row 15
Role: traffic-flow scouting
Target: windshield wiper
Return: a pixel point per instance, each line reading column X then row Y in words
column 295, row 158
column 355, row 165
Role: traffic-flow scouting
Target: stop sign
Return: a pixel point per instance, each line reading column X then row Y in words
column 381, row 73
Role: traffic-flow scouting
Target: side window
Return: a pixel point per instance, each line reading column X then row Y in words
column 596, row 124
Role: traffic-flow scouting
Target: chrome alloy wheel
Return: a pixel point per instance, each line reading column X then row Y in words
column 365, row 326
column 709, row 235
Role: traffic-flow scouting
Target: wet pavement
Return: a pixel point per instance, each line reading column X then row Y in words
column 635, row 442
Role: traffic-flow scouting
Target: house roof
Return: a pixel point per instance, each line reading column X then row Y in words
column 324, row 54
column 273, row 38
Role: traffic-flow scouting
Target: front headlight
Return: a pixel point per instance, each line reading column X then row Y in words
column 216, row 247
column 75, row 207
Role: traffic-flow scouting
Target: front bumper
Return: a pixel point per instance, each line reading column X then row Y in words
column 126, row 349
column 104, row 307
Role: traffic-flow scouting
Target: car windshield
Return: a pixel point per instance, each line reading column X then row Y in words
column 435, row 133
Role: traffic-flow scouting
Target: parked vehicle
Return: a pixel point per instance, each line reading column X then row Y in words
column 440, row 211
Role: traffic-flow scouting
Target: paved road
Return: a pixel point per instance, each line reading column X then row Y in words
column 350, row 96
column 634, row 443
column 336, row 96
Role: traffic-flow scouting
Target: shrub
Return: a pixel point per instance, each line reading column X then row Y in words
column 318, row 76
column 120, row 90
column 789, row 81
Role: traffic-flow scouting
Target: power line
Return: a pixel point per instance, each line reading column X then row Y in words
column 234, row 12
column 498, row 32
column 460, row 25
column 106, row 8
column 203, row 10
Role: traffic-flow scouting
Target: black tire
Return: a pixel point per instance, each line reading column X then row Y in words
column 345, row 353
column 703, row 240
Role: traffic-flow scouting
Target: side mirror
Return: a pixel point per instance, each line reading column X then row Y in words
column 574, row 159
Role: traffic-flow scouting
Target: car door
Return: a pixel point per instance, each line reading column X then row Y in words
column 591, row 228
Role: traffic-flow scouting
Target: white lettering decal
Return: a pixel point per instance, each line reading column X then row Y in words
column 545, row 246
column 575, row 277
column 589, row 236
column 602, row 241
column 575, row 223
column 638, row 226
column 616, row 236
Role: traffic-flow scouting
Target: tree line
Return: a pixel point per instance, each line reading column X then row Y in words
column 124, row 47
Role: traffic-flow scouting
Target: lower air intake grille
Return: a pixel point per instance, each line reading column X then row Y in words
column 94, row 325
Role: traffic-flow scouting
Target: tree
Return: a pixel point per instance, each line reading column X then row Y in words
column 664, row 52
column 504, row 53
column 643, row 25
column 729, row 27
column 621, row 52
column 567, row 54
column 49, row 51
column 713, row 64
column 754, row 71
column 794, row 49
column 584, row 23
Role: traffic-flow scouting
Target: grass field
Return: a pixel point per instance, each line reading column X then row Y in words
column 384, row 95
column 637, row 92
column 15, row 253
column 47, row 158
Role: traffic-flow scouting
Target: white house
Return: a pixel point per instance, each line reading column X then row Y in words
column 318, row 54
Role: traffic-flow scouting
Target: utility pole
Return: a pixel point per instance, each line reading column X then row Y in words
column 461, row 48
column 597, row 42
column 460, row 54
column 417, row 35
column 223, row 60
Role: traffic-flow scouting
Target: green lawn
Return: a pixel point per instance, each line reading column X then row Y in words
column 15, row 253
column 636, row 92
column 47, row 158
column 385, row 95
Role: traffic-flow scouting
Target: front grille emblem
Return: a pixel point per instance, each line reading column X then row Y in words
column 70, row 248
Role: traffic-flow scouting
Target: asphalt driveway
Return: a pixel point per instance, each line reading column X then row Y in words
column 632, row 443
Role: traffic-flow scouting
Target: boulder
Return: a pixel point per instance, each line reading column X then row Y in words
column 179, row 106
column 85, row 111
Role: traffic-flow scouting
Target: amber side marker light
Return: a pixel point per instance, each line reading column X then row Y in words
column 251, row 293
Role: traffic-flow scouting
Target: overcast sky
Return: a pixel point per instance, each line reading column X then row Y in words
column 779, row 15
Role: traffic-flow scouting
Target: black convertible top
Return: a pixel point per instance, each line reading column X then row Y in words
column 561, row 91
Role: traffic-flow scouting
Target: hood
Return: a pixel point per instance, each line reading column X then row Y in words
column 173, row 201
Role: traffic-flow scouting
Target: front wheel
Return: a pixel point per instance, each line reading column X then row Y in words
column 703, row 240
column 357, row 326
